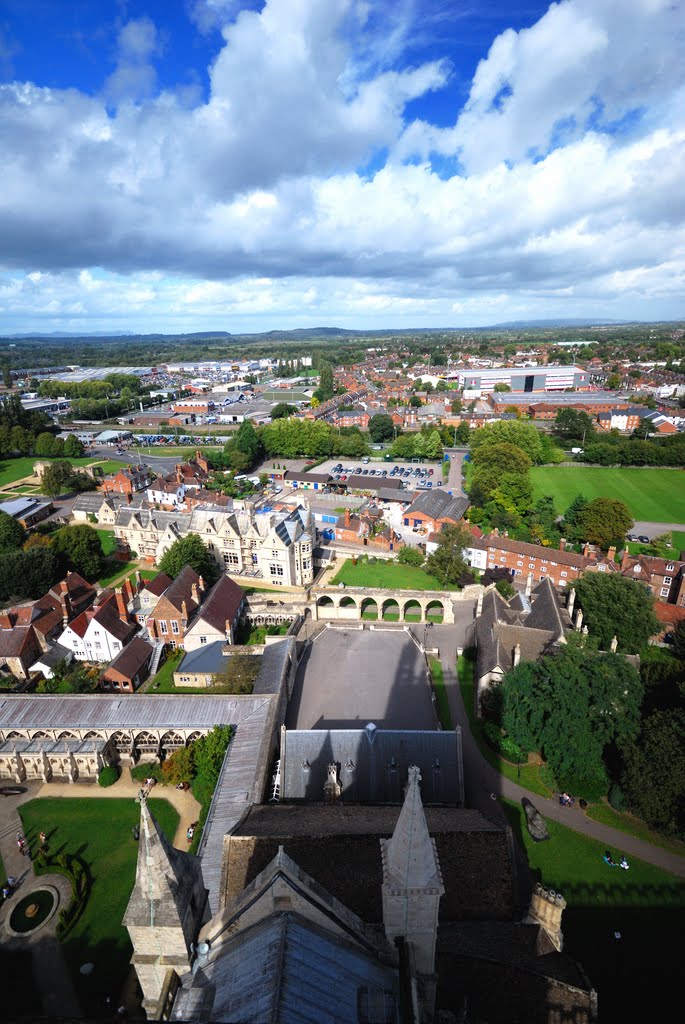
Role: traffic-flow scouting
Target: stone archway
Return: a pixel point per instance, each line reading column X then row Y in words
column 347, row 608
column 390, row 610
column 435, row 611
column 369, row 609
column 412, row 611
column 325, row 607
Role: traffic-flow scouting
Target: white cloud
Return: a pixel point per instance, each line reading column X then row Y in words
column 258, row 202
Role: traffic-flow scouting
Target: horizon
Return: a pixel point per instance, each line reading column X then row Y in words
column 391, row 165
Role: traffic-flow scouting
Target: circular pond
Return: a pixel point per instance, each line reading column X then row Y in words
column 33, row 911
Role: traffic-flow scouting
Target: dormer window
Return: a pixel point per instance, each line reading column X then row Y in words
column 636, row 569
column 670, row 567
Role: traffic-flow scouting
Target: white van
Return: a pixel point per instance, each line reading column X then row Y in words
column 365, row 459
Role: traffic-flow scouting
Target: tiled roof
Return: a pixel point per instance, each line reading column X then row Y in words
column 132, row 658
column 521, row 547
column 221, row 604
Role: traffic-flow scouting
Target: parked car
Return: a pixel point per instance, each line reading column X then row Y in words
column 643, row 540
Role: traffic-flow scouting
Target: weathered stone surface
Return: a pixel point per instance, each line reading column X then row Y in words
column 535, row 822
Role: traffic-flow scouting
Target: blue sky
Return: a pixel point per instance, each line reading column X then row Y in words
column 209, row 164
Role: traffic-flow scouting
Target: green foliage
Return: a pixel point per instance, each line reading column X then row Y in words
column 282, row 411
column 80, row 549
column 190, row 551
column 525, row 436
column 615, row 606
column 654, row 776
column 505, row 588
column 574, row 426
column 209, row 752
column 447, row 563
column 410, row 556
column 12, row 533
column 28, row 574
column 604, row 521
column 108, row 775
column 73, row 447
column 148, row 770
column 571, row 705
column 679, row 641
column 293, row 439
column 503, row 744
column 617, row 798
column 239, row 674
column 381, row 427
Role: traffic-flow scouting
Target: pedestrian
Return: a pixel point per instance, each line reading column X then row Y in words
column 43, row 838
column 20, row 836
column 624, row 863
column 11, row 881
column 6, row 892
column 608, row 859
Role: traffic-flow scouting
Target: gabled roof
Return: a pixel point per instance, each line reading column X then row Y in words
column 221, row 604
column 180, row 590
column 132, row 658
column 158, row 585
column 438, row 504
column 13, row 642
column 548, row 612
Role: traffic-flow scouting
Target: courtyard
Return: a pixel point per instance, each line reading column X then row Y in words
column 349, row 677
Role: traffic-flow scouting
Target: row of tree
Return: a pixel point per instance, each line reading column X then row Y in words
column 31, row 564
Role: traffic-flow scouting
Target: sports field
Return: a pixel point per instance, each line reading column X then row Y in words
column 655, row 495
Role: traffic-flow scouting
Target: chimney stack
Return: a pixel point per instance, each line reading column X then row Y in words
column 479, row 605
column 562, row 544
column 611, row 553
column 529, row 584
column 201, row 584
column 517, row 654
column 184, row 611
column 194, row 593
column 347, row 517
column 546, row 909
column 139, row 580
column 122, row 610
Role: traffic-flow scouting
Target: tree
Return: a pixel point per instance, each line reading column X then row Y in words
column 80, row 548
column 571, row 516
column 326, row 388
column 44, row 443
column 502, row 457
column 448, row 563
column 571, row 705
column 616, row 606
column 57, row 478
column 209, row 752
column 679, row 641
column 247, row 441
column 604, row 521
column 190, row 551
column 282, row 410
column 415, row 402
column 434, row 445
column 28, row 574
column 239, row 674
column 501, row 388
column 381, row 427
column 524, row 435
column 73, row 447
column 456, row 406
column 180, row 767
column 7, row 378
column 574, row 425
column 12, row 533
column 410, row 556
column 613, row 382
column 441, row 386
column 654, row 775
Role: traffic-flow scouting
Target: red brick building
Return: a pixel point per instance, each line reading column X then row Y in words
column 524, row 559
column 129, row 669
column 176, row 607
column 128, row 481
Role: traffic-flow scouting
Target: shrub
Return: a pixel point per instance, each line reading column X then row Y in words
column 148, row 770
column 617, row 798
column 108, row 775
column 503, row 744
column 410, row 556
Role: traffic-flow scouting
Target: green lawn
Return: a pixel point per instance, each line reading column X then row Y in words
column 16, row 469
column 633, row 826
column 145, row 574
column 386, row 576
column 115, row 570
column 444, row 713
column 107, row 541
column 99, row 831
column 656, row 495
column 645, row 905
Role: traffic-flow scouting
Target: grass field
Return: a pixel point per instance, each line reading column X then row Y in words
column 99, row 831
column 656, row 495
column 444, row 713
column 114, row 571
column 386, row 576
column 645, row 905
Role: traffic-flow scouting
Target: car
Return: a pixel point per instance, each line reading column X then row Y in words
column 430, row 472
column 643, row 540
column 429, row 483
column 632, row 537
column 365, row 472
column 384, row 472
column 343, row 477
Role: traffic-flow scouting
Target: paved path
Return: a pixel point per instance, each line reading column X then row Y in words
column 651, row 530
column 485, row 787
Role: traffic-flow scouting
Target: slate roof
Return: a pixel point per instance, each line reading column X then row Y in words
column 373, row 483
column 13, row 642
column 208, row 659
column 181, row 589
column 548, row 611
column 53, row 656
column 287, row 969
column 312, row 478
column 438, row 504
column 374, row 763
column 273, row 667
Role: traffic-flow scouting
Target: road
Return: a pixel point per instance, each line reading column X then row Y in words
column 651, row 530
column 455, row 478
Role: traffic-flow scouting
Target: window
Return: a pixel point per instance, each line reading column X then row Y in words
column 230, row 558
column 664, row 591
column 564, row 574
column 174, row 627
column 668, row 579
column 519, row 563
column 203, row 640
column 671, row 566
column 543, row 568
column 163, row 628
column 276, row 570
column 602, row 568
column 531, row 565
